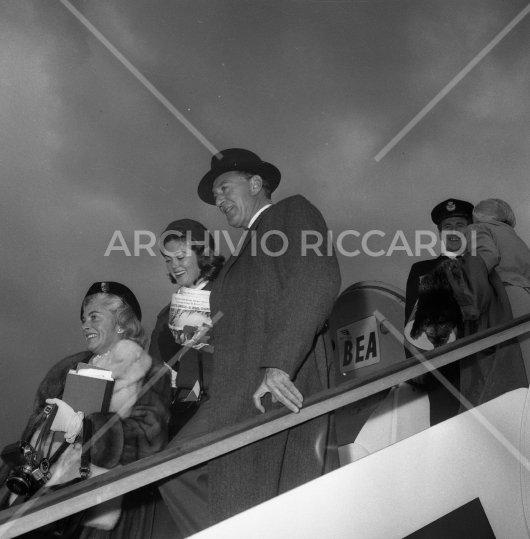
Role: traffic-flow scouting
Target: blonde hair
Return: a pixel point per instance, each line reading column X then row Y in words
column 494, row 209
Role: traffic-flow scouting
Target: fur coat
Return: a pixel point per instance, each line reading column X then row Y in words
column 460, row 296
column 129, row 365
column 140, row 431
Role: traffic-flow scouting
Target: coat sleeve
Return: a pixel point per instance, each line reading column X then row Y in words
column 162, row 345
column 143, row 433
column 485, row 245
column 412, row 291
column 301, row 289
column 120, row 441
column 411, row 296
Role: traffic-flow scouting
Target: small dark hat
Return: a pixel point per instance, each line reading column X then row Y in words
column 197, row 230
column 236, row 159
column 452, row 208
column 116, row 289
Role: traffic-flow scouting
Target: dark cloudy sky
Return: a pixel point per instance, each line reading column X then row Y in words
column 316, row 87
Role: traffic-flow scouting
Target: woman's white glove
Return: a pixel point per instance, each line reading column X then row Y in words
column 66, row 420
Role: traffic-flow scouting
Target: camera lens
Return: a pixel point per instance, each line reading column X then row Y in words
column 20, row 481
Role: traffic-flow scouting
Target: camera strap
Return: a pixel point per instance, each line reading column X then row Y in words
column 84, row 468
column 47, row 415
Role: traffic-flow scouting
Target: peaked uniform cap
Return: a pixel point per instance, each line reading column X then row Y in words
column 452, row 207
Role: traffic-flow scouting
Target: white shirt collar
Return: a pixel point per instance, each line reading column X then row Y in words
column 450, row 254
column 200, row 286
column 257, row 214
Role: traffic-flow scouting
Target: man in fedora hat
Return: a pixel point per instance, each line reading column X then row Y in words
column 271, row 347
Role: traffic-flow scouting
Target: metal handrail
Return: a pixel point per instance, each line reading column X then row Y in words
column 43, row 510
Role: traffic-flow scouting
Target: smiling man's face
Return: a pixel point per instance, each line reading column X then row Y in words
column 235, row 196
column 453, row 243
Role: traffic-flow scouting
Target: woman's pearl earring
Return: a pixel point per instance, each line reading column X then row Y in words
column 120, row 330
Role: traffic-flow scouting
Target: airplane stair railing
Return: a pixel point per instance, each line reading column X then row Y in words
column 42, row 510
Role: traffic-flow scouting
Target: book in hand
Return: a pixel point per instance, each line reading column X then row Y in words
column 88, row 389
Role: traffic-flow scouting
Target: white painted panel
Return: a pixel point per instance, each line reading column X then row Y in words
column 404, row 487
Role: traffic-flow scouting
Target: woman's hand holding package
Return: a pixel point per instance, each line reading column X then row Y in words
column 66, row 420
column 200, row 337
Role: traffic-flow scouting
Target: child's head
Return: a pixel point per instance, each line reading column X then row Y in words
column 494, row 209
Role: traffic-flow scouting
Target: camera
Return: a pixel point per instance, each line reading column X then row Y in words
column 22, row 459
column 27, row 474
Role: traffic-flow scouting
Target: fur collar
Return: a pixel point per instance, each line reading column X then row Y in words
column 129, row 364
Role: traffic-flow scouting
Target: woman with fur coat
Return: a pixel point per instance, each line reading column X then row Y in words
column 135, row 425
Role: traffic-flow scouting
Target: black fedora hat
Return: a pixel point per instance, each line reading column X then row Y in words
column 236, row 159
column 182, row 227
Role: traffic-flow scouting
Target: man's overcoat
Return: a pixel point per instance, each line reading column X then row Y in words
column 273, row 312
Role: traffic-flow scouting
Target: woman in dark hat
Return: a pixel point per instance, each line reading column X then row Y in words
column 135, row 425
column 191, row 263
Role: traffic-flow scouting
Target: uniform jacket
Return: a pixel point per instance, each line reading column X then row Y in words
column 418, row 270
column 442, row 404
column 491, row 372
column 274, row 310
column 140, row 431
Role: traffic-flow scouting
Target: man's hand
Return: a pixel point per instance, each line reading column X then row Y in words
column 278, row 384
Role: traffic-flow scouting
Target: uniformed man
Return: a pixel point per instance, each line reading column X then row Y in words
column 449, row 216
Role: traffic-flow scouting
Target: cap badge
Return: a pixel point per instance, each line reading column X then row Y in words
column 450, row 206
column 105, row 287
